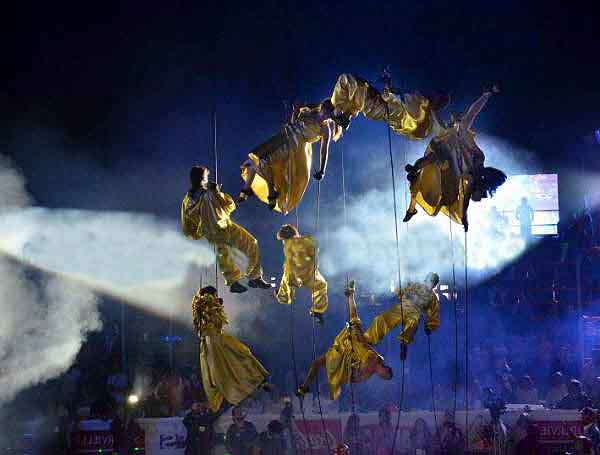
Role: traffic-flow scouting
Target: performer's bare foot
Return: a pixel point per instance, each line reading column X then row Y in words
column 409, row 214
column 302, row 390
column 318, row 317
column 245, row 194
column 259, row 283
column 237, row 288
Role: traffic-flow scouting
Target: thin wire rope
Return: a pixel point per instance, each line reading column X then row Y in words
column 345, row 206
column 216, row 170
column 466, row 342
column 314, row 322
column 399, row 265
column 453, row 297
column 433, row 406
column 292, row 319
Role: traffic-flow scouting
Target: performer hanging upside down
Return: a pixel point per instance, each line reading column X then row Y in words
column 205, row 213
column 417, row 299
column 351, row 358
column 278, row 171
column 411, row 116
column 452, row 171
column 229, row 370
column 300, row 269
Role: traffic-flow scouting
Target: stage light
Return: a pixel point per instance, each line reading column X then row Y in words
column 133, row 399
column 597, row 135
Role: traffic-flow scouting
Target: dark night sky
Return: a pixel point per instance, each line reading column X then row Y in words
column 90, row 92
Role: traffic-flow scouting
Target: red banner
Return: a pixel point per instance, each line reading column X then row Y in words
column 91, row 441
column 312, row 433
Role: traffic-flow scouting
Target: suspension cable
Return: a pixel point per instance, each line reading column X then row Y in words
column 399, row 265
column 453, row 299
column 433, row 406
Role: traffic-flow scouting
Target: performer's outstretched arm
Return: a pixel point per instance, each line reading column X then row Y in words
column 433, row 314
column 475, row 109
column 326, row 134
column 352, row 312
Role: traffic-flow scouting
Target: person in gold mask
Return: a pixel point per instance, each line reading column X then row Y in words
column 206, row 213
column 229, row 370
column 300, row 269
column 278, row 171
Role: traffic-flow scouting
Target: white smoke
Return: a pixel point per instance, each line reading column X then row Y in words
column 41, row 330
column 365, row 248
column 134, row 257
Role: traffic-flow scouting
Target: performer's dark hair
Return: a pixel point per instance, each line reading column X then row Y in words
column 491, row 179
column 287, row 231
column 208, row 290
column 197, row 174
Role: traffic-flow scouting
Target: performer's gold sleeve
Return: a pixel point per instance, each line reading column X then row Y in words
column 411, row 117
column 299, row 269
column 209, row 217
column 229, row 370
column 285, row 162
column 349, row 352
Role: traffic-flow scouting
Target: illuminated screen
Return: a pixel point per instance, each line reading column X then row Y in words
column 541, row 192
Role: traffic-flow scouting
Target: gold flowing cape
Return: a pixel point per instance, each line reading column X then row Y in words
column 348, row 352
column 229, row 370
column 285, row 162
column 411, row 117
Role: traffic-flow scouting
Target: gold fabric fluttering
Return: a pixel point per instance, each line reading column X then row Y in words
column 285, row 161
column 206, row 214
column 229, row 370
column 411, row 117
column 348, row 357
column 299, row 271
column 417, row 299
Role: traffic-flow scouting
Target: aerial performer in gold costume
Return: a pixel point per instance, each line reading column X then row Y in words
column 205, row 213
column 278, row 171
column 411, row 115
column 300, row 270
column 229, row 370
column 351, row 358
column 452, row 171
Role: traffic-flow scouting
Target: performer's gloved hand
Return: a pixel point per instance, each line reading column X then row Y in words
column 403, row 351
column 319, row 175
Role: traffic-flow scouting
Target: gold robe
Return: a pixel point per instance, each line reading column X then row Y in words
column 411, row 117
column 417, row 299
column 229, row 370
column 206, row 213
column 299, row 269
column 285, row 161
column 348, row 358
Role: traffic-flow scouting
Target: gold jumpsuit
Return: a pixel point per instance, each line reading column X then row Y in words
column 442, row 185
column 285, row 161
column 299, row 269
column 229, row 370
column 417, row 299
column 411, row 117
column 206, row 213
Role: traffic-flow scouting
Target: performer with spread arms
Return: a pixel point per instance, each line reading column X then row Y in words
column 351, row 358
column 300, row 270
column 205, row 213
column 229, row 370
column 452, row 172
column 278, row 171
